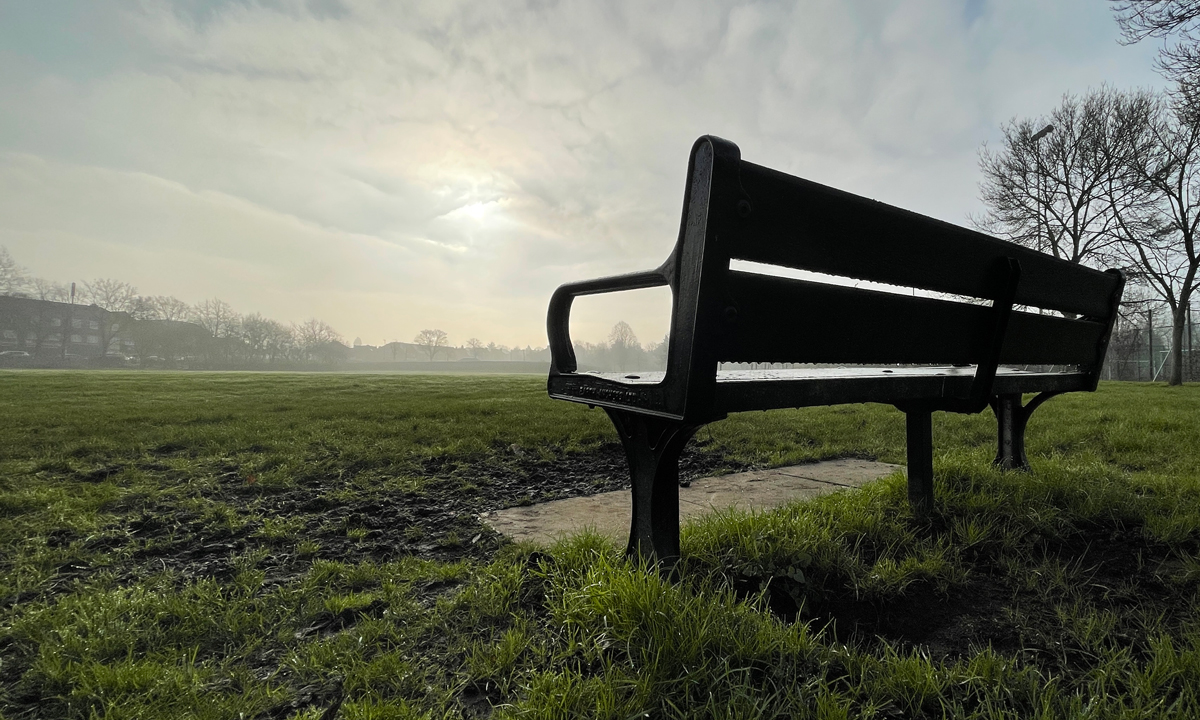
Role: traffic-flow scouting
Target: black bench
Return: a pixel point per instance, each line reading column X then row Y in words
column 953, row 346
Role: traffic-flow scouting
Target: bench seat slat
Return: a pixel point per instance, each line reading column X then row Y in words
column 798, row 223
column 788, row 320
column 740, row 390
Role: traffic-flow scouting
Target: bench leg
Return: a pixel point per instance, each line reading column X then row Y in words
column 652, row 447
column 919, row 427
column 1011, row 419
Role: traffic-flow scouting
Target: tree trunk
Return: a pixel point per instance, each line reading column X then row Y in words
column 1178, row 322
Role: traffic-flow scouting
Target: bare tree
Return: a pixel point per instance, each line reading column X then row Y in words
column 13, row 278
column 1159, row 232
column 622, row 342
column 315, row 338
column 112, row 295
column 1050, row 187
column 257, row 332
column 44, row 289
column 475, row 346
column 1166, row 19
column 168, row 307
column 431, row 341
column 280, row 341
column 215, row 316
column 658, row 352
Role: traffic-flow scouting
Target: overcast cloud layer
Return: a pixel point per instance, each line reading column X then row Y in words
column 393, row 166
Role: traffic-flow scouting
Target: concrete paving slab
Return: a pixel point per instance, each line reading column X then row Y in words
column 608, row 513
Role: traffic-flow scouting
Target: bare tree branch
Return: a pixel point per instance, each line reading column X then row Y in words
column 1166, row 19
column 1048, row 187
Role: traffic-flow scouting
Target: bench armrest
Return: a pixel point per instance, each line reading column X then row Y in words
column 558, row 318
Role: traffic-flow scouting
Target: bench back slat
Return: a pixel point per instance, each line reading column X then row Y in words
column 786, row 320
column 801, row 224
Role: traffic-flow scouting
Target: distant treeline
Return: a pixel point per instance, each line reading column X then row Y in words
column 170, row 332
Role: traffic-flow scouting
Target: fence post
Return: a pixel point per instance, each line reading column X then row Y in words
column 1150, row 339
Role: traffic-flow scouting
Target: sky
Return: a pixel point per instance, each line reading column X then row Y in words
column 393, row 166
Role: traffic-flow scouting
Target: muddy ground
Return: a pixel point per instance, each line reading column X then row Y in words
column 439, row 520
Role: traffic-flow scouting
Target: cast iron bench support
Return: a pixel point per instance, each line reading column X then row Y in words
column 952, row 351
column 918, row 426
column 652, row 446
column 1011, row 419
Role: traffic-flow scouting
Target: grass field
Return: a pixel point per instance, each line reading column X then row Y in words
column 307, row 546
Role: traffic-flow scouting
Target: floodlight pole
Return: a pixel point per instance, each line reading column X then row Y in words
column 1037, row 145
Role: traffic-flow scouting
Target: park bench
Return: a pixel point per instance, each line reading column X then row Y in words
column 955, row 348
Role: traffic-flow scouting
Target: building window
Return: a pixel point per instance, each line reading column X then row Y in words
column 93, row 325
column 127, row 343
column 76, row 339
column 10, row 334
column 76, row 323
column 55, row 337
column 93, row 339
column 56, row 322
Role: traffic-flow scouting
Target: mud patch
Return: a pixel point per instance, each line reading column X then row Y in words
column 332, row 518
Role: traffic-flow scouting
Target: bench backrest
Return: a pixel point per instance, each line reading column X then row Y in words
column 736, row 210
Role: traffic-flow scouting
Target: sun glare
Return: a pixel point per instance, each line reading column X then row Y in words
column 476, row 211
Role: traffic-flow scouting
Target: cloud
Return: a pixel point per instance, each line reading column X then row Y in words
column 389, row 167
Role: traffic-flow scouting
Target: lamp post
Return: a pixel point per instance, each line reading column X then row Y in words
column 1037, row 145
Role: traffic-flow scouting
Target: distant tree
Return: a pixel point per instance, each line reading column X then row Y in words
column 257, row 332
column 280, row 342
column 222, row 325
column 316, row 340
column 314, row 332
column 474, row 346
column 658, row 352
column 168, row 307
column 13, row 278
column 431, row 341
column 112, row 295
column 121, row 301
column 215, row 316
column 44, row 289
column 622, row 343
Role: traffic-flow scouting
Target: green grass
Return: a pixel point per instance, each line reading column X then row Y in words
column 1073, row 591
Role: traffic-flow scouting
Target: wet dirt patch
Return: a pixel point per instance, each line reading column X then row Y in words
column 334, row 518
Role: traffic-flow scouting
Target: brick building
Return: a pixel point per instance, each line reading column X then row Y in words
column 48, row 329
